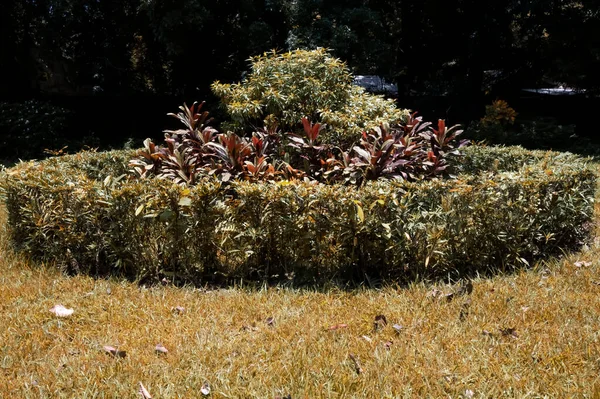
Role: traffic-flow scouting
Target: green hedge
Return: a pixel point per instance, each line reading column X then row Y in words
column 529, row 205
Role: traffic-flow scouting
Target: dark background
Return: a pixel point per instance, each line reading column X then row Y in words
column 117, row 67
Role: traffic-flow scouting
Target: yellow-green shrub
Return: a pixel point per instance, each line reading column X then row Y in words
column 65, row 210
column 283, row 88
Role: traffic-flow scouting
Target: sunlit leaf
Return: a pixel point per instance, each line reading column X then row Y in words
column 61, row 311
column 356, row 363
column 114, row 351
column 338, row 326
column 144, row 392
column 205, row 390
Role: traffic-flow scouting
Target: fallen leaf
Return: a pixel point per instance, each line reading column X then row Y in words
column 284, row 397
column 581, row 263
column 487, row 333
column 434, row 293
column 388, row 345
column 357, row 367
column 510, row 331
column 161, row 349
column 449, row 297
column 397, row 327
column 249, row 328
column 144, row 392
column 205, row 389
column 469, row 394
column 178, row 309
column 380, row 322
column 111, row 350
column 61, row 311
column 338, row 326
column 367, row 338
column 270, row 321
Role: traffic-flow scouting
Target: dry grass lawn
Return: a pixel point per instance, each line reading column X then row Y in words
column 531, row 334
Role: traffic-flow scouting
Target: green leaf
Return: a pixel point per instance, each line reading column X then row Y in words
column 166, row 215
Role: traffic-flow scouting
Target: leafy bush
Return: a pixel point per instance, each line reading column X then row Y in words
column 412, row 150
column 482, row 159
column 68, row 210
column 499, row 113
column 283, row 88
column 545, row 133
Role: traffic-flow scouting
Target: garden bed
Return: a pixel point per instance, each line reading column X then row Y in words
column 506, row 208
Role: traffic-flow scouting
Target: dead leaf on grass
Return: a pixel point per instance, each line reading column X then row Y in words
column 205, row 389
column 581, row 263
column 357, row 367
column 270, row 321
column 434, row 293
column 178, row 309
column 509, row 332
column 388, row 345
column 161, row 349
column 144, row 392
column 398, row 328
column 366, row 338
column 249, row 328
column 114, row 351
column 337, row 326
column 61, row 311
column 380, row 322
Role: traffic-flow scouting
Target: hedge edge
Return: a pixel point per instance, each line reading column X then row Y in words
column 63, row 210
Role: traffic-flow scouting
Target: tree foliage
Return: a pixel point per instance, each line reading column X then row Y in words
column 181, row 46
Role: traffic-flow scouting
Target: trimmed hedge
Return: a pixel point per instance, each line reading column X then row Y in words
column 85, row 213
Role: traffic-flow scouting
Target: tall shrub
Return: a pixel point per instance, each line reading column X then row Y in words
column 283, row 88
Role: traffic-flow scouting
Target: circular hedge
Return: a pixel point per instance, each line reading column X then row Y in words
column 505, row 207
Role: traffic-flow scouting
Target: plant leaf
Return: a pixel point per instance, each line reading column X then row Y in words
column 357, row 366
column 380, row 322
column 178, row 309
column 360, row 213
column 144, row 392
column 61, row 311
column 111, row 350
column 205, row 389
column 338, row 326
column 185, row 201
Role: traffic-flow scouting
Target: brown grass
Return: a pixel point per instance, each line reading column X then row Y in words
column 224, row 337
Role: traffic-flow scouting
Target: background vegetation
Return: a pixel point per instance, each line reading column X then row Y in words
column 449, row 58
